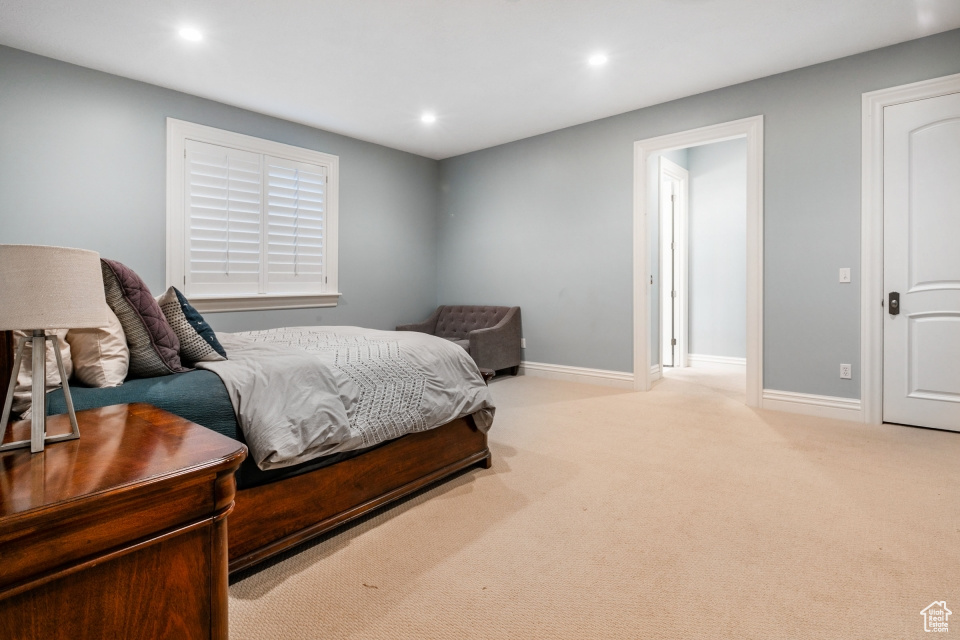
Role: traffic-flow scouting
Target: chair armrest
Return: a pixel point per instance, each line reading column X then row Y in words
column 427, row 326
column 512, row 318
column 498, row 347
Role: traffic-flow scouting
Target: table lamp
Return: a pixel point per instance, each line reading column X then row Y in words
column 46, row 288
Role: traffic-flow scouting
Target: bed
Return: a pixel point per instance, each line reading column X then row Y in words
column 286, row 504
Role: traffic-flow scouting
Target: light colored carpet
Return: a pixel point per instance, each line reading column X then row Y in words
column 679, row 513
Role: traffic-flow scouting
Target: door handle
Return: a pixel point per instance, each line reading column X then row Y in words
column 894, row 303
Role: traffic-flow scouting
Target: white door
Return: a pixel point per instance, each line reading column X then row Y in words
column 673, row 261
column 921, row 249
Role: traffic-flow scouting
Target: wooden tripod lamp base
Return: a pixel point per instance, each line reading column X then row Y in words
column 38, row 420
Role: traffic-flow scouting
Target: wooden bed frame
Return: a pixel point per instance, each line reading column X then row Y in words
column 274, row 517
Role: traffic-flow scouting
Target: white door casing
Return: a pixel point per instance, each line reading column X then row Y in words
column 674, row 182
column 873, row 293
column 921, row 227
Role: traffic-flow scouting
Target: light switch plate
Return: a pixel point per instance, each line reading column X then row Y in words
column 845, row 274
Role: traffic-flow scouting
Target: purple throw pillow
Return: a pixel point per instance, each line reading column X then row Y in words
column 154, row 347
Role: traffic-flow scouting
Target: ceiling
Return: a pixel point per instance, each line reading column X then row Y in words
column 491, row 70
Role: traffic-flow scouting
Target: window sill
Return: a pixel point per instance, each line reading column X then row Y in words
column 263, row 302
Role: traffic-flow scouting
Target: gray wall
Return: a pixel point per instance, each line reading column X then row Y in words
column 82, row 164
column 717, row 244
column 546, row 222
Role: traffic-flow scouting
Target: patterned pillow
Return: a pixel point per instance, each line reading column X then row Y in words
column 154, row 347
column 198, row 342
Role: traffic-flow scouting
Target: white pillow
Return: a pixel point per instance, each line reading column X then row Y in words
column 101, row 357
column 22, row 392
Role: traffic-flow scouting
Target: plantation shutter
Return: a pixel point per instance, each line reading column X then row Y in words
column 223, row 215
column 296, row 208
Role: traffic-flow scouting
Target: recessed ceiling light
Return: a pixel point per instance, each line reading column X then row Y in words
column 428, row 118
column 598, row 59
column 191, row 34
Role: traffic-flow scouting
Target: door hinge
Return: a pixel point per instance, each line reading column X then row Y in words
column 673, row 294
column 673, row 246
column 184, row 282
column 673, row 342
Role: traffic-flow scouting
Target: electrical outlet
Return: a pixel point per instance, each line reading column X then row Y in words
column 523, row 343
column 845, row 274
column 845, row 371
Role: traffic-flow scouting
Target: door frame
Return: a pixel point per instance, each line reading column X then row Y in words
column 681, row 217
column 752, row 129
column 871, row 231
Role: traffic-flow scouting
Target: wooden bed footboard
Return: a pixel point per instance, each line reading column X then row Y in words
column 274, row 517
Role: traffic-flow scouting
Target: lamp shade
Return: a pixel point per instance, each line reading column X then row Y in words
column 50, row 288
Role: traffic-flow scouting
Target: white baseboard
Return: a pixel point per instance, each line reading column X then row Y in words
column 603, row 377
column 813, row 405
column 694, row 359
column 656, row 372
column 789, row 401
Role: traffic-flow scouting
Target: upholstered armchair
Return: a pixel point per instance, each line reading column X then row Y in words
column 491, row 335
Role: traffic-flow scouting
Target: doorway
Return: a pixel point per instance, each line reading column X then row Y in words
column 702, row 259
column 647, row 341
column 911, row 269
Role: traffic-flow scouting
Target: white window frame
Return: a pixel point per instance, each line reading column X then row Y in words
column 178, row 132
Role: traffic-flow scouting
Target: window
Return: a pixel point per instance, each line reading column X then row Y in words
column 251, row 224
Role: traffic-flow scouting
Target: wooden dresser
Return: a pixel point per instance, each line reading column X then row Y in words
column 120, row 534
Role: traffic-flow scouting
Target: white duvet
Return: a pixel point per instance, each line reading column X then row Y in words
column 304, row 392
